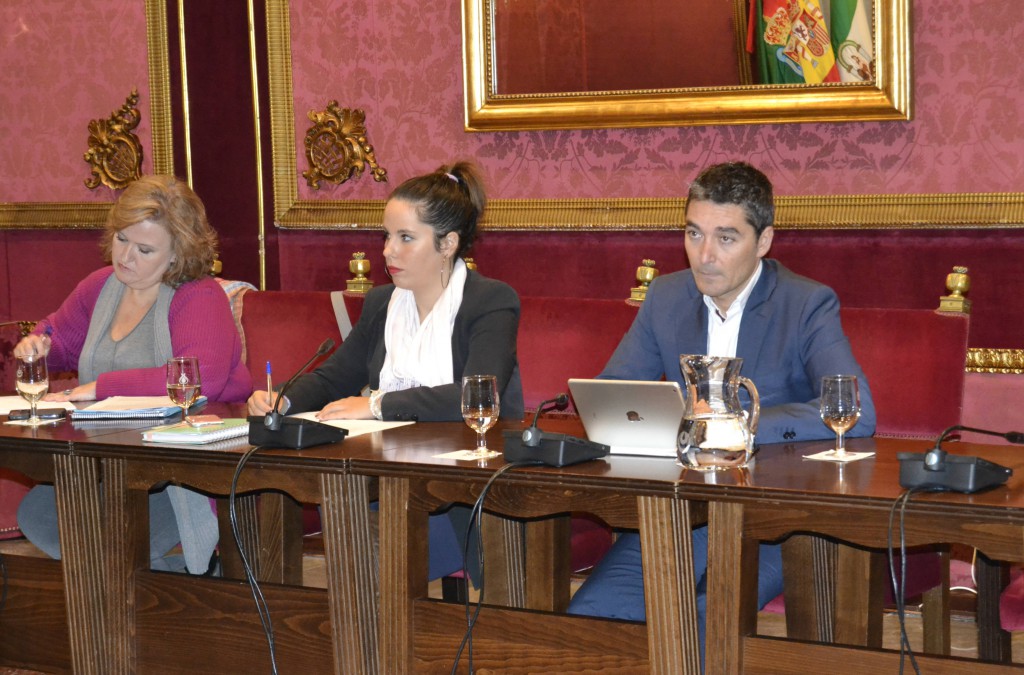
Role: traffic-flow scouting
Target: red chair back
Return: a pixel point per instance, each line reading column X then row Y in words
column 560, row 338
column 914, row 360
column 285, row 328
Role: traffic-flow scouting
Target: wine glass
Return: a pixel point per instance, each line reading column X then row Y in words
column 480, row 409
column 32, row 382
column 840, row 406
column 183, row 383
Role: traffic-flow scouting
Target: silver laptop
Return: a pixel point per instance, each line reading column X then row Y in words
column 633, row 417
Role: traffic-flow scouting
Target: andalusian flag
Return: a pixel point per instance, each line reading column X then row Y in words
column 792, row 42
column 850, row 24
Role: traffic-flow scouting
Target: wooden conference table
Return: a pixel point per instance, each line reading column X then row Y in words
column 147, row 622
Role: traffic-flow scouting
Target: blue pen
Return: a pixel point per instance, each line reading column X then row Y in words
column 270, row 382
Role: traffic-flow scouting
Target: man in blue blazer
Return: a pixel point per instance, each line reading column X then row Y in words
column 730, row 302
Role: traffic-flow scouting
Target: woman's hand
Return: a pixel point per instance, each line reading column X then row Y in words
column 351, row 408
column 261, row 402
column 83, row 392
column 32, row 345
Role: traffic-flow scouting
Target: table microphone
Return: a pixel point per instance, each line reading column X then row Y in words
column 276, row 430
column 531, row 434
column 938, row 470
column 533, row 445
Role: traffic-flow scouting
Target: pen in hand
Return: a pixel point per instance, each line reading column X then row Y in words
column 270, row 381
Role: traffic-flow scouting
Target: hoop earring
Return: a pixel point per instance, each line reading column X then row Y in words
column 444, row 267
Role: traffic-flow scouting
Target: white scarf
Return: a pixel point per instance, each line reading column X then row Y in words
column 419, row 354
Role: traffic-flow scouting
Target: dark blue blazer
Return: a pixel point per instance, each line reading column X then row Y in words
column 790, row 336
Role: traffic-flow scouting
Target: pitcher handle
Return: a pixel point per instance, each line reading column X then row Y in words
column 755, row 404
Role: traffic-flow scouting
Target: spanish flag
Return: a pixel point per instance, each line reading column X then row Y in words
column 791, row 42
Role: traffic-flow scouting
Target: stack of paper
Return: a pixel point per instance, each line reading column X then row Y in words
column 130, row 407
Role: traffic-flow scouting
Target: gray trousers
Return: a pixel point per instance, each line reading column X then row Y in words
column 172, row 511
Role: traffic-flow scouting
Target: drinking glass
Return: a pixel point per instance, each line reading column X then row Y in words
column 183, row 383
column 32, row 382
column 480, row 409
column 840, row 406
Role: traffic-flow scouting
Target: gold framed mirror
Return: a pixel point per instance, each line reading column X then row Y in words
column 886, row 98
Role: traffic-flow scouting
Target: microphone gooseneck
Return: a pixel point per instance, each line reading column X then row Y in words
column 273, row 418
column 278, row 431
column 531, row 434
column 560, row 401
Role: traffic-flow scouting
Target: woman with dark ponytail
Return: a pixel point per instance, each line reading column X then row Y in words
column 438, row 321
column 417, row 337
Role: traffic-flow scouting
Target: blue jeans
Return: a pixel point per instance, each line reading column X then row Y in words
column 615, row 588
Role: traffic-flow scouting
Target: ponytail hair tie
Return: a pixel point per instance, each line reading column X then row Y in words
column 452, row 176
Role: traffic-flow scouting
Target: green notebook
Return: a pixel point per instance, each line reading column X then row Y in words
column 232, row 427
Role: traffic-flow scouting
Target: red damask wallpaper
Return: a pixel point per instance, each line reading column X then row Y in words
column 62, row 64
column 401, row 60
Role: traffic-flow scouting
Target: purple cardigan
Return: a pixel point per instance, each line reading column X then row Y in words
column 201, row 325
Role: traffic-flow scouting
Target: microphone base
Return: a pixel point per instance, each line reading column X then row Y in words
column 957, row 473
column 554, row 449
column 294, row 433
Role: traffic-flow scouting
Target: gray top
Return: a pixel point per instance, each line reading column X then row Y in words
column 134, row 350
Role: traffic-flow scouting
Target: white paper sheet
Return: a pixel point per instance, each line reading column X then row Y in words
column 9, row 403
column 355, row 427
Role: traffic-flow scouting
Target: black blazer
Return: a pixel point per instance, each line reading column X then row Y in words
column 483, row 343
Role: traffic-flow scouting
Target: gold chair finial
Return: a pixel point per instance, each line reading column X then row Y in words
column 645, row 274
column 958, row 283
column 360, row 267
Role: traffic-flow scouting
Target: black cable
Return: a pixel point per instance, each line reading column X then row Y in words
column 899, row 583
column 475, row 518
column 257, row 594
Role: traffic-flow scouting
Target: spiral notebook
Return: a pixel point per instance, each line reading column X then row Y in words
column 182, row 432
column 131, row 408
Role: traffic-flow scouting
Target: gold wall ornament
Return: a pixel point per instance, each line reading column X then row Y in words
column 336, row 147
column 1002, row 361
column 645, row 274
column 360, row 267
column 958, row 283
column 115, row 153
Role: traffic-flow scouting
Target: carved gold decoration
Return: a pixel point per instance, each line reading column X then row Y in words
column 1005, row 361
column 842, row 212
column 470, row 263
column 336, row 147
column 360, row 267
column 645, row 274
column 63, row 215
column 115, row 153
column 958, row 283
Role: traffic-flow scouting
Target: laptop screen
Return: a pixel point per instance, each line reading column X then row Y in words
column 633, row 417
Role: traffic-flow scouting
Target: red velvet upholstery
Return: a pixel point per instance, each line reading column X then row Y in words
column 992, row 401
column 914, row 360
column 285, row 328
column 560, row 338
column 13, row 486
column 10, row 334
